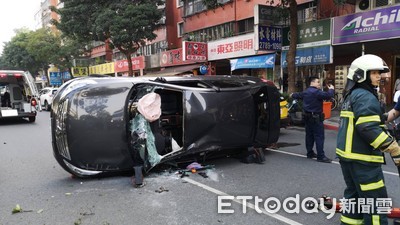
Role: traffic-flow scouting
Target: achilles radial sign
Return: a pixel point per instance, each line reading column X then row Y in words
column 367, row 26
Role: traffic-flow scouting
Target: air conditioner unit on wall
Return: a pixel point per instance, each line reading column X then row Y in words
column 363, row 5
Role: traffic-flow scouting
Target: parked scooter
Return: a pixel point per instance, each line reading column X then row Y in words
column 295, row 113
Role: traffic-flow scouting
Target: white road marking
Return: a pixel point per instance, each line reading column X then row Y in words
column 335, row 162
column 249, row 205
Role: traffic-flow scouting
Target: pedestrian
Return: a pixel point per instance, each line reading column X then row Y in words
column 313, row 98
column 361, row 142
column 396, row 85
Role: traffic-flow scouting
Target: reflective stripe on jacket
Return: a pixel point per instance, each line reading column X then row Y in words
column 360, row 134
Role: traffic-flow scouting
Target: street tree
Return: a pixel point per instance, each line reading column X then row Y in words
column 125, row 24
column 16, row 56
column 289, row 7
column 44, row 47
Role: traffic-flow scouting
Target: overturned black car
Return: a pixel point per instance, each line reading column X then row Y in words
column 97, row 129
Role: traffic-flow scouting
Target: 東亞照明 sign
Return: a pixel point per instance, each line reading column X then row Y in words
column 372, row 25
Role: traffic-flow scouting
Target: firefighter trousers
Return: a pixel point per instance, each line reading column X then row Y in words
column 365, row 193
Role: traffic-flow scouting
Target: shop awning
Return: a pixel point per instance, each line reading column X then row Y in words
column 253, row 62
column 170, row 71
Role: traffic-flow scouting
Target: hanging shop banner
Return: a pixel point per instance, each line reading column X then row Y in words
column 122, row 65
column 371, row 25
column 268, row 38
column 310, row 56
column 310, row 34
column 105, row 68
column 79, row 71
column 55, row 78
column 233, row 47
column 195, row 51
column 255, row 62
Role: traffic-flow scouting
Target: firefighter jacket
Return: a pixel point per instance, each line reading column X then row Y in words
column 360, row 132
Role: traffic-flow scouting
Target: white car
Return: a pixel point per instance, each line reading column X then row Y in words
column 46, row 97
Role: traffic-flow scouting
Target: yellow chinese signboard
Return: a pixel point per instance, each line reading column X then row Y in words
column 79, row 71
column 106, row 68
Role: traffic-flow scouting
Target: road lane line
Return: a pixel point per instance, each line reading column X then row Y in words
column 335, row 162
column 249, row 205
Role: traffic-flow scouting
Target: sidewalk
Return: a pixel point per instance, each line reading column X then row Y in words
column 332, row 123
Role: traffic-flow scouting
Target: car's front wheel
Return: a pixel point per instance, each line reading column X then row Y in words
column 46, row 106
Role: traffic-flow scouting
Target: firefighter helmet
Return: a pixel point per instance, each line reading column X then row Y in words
column 360, row 66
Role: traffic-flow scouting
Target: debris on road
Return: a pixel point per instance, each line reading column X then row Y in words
column 161, row 189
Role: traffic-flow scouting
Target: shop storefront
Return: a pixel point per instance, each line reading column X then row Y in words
column 261, row 66
column 313, row 55
column 371, row 32
column 121, row 67
column 221, row 52
column 176, row 62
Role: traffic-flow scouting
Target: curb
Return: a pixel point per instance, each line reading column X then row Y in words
column 331, row 126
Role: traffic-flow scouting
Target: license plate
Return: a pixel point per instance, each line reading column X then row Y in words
column 9, row 112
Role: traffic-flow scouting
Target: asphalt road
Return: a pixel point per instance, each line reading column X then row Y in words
column 30, row 177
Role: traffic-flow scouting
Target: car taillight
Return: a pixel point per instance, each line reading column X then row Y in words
column 17, row 75
column 33, row 102
column 2, row 75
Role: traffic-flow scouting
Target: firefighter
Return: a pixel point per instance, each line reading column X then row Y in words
column 361, row 142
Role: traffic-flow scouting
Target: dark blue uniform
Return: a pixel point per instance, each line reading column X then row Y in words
column 312, row 106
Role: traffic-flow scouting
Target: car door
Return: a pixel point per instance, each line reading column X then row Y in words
column 30, row 81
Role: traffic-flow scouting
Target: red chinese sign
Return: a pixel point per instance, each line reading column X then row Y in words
column 122, row 65
column 172, row 58
column 195, row 51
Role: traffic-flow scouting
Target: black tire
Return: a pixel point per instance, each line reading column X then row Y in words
column 46, row 106
column 32, row 119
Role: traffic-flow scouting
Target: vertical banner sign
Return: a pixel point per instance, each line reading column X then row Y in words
column 268, row 38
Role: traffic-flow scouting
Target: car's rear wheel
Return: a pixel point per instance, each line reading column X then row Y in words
column 32, row 119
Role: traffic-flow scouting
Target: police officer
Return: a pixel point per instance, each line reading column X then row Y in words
column 361, row 141
column 313, row 98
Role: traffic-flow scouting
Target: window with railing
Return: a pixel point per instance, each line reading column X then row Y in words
column 211, row 33
column 246, row 26
column 191, row 7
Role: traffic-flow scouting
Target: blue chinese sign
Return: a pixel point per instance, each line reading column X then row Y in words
column 66, row 75
column 262, row 61
column 310, row 56
column 269, row 38
column 55, row 78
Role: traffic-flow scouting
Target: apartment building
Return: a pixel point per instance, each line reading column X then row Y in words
column 235, row 34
